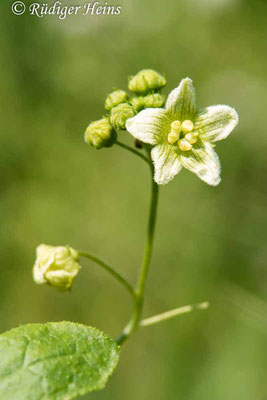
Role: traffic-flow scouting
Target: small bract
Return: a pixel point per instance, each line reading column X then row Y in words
column 57, row 266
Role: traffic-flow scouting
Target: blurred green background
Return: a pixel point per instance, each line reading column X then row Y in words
column 210, row 242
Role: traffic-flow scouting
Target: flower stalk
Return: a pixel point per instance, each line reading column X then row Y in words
column 140, row 289
column 110, row 270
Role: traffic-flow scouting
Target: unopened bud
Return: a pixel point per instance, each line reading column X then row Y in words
column 100, row 134
column 137, row 102
column 154, row 100
column 145, row 81
column 57, row 266
column 115, row 98
column 120, row 114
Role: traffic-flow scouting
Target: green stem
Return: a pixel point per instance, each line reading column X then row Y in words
column 129, row 148
column 173, row 313
column 109, row 269
column 140, row 289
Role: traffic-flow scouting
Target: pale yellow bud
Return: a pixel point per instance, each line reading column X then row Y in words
column 184, row 145
column 176, row 127
column 187, row 126
column 57, row 266
column 100, row 134
column 173, row 137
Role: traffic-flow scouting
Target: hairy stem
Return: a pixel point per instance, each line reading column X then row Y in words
column 109, row 269
column 140, row 289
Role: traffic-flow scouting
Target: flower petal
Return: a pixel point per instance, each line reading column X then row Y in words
column 166, row 162
column 150, row 125
column 182, row 100
column 216, row 122
column 204, row 162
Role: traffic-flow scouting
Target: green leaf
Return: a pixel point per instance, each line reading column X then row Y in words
column 56, row 360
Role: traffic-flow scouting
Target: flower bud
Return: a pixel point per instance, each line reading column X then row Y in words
column 57, row 266
column 137, row 102
column 154, row 100
column 120, row 114
column 100, row 134
column 115, row 98
column 145, row 81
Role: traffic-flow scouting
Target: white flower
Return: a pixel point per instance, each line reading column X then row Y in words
column 183, row 137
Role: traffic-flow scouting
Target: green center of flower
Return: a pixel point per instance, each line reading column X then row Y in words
column 182, row 134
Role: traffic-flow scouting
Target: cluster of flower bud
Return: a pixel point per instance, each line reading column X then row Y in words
column 154, row 100
column 145, row 85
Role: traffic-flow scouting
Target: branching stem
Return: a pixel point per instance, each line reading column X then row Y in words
column 138, row 293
